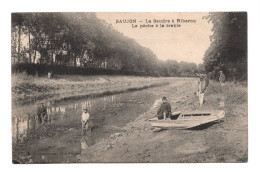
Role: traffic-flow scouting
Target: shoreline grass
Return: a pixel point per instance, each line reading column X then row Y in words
column 27, row 89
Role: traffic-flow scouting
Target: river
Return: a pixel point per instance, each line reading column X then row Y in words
column 60, row 140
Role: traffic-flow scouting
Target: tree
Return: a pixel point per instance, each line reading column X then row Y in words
column 17, row 21
column 228, row 48
column 70, row 38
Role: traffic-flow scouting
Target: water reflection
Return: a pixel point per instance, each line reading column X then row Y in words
column 83, row 144
column 86, row 141
column 26, row 122
column 62, row 133
column 22, row 126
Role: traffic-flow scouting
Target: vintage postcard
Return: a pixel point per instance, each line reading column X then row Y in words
column 129, row 87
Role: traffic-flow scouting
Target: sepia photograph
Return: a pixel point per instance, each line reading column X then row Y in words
column 129, row 87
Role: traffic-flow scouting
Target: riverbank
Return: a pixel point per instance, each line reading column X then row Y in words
column 26, row 89
column 61, row 140
column 226, row 141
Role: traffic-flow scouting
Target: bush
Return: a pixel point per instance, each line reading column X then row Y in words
column 42, row 69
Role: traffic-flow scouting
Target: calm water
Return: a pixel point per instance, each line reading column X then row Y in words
column 61, row 139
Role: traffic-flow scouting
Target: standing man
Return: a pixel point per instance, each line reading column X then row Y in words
column 50, row 75
column 165, row 109
column 84, row 120
column 202, row 86
column 222, row 79
column 42, row 114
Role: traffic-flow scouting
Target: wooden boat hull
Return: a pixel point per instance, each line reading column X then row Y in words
column 188, row 120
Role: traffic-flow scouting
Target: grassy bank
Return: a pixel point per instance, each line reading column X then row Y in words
column 225, row 141
column 26, row 88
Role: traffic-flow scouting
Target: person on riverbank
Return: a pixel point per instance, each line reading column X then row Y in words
column 202, row 86
column 165, row 109
column 42, row 114
column 222, row 79
column 49, row 74
column 84, row 120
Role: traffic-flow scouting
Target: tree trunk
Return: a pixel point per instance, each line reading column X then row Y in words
column 34, row 56
column 19, row 43
column 75, row 61
column 15, row 45
column 40, row 58
column 52, row 57
column 30, row 56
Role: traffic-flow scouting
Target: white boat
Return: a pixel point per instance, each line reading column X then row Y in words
column 187, row 120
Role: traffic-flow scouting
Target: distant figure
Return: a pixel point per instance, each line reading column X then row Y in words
column 202, row 86
column 42, row 114
column 222, row 79
column 165, row 109
column 49, row 75
column 84, row 120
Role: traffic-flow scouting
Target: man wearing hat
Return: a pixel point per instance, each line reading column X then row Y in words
column 84, row 120
column 42, row 114
column 202, row 86
column 222, row 78
column 165, row 109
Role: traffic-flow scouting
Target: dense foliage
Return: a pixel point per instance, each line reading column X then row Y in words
column 228, row 49
column 81, row 40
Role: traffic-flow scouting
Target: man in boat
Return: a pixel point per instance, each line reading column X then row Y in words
column 42, row 114
column 222, row 79
column 84, row 120
column 165, row 109
column 202, row 86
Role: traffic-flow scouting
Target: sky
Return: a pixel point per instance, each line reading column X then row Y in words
column 186, row 43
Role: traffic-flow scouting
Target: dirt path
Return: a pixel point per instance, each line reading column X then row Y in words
column 222, row 142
